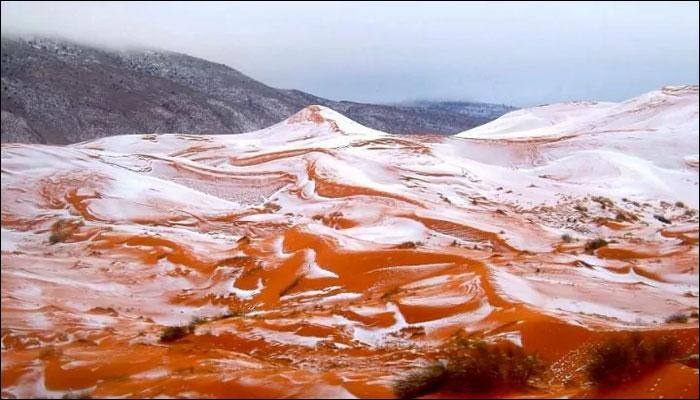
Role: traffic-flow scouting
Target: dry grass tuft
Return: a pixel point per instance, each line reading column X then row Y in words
column 173, row 333
column 63, row 229
column 472, row 366
column 595, row 244
column 623, row 358
column 679, row 318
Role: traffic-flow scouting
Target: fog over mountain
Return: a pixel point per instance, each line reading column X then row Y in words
column 518, row 53
column 57, row 91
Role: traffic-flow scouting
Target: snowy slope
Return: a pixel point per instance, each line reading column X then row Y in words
column 319, row 242
column 670, row 108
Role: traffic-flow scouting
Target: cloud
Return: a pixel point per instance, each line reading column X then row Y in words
column 503, row 52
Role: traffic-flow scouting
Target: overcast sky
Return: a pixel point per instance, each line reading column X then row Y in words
column 515, row 53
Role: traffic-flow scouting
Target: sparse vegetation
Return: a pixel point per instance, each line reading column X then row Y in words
column 694, row 314
column 624, row 216
column 580, row 208
column 595, row 244
column 472, row 366
column 566, row 238
column 603, row 201
column 680, row 204
column 662, row 218
column 63, row 229
column 623, row 358
column 420, row 381
column 408, row 245
column 231, row 314
column 198, row 321
column 173, row 333
column 79, row 395
column 679, row 318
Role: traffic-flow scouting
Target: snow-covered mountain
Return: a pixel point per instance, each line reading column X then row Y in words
column 59, row 92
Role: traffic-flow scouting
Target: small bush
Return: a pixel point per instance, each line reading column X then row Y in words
column 580, row 208
column 603, row 201
column 472, row 366
column 63, row 229
column 677, row 318
column 231, row 314
column 420, row 381
column 79, row 395
column 173, row 333
column 680, row 204
column 566, row 238
column 694, row 314
column 595, row 244
column 623, row 358
column 662, row 219
column 624, row 216
column 198, row 321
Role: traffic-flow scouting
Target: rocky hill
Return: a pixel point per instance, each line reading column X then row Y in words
column 58, row 92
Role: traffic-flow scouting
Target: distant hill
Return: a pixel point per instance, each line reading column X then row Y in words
column 58, row 92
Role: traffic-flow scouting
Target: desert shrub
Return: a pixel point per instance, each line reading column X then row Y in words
column 595, row 244
column 173, row 333
column 472, row 366
column 624, row 216
column 580, row 208
column 680, row 204
column 603, row 201
column 63, row 229
column 198, row 321
column 623, row 358
column 566, row 238
column 677, row 318
column 79, row 395
column 60, row 231
column 420, row 381
column 408, row 245
column 662, row 219
column 71, row 395
column 231, row 314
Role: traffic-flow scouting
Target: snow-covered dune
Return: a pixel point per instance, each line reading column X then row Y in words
column 322, row 258
column 670, row 108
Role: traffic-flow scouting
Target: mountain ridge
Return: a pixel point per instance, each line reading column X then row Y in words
column 57, row 92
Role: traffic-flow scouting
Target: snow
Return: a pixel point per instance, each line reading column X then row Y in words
column 389, row 231
column 313, row 270
column 387, row 190
column 244, row 294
